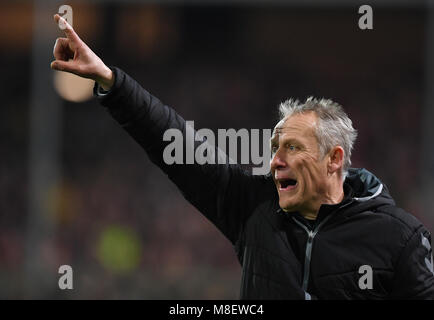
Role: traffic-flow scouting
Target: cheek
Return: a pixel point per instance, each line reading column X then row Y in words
column 295, row 162
column 297, row 165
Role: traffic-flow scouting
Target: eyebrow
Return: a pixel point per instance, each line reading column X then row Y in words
column 275, row 138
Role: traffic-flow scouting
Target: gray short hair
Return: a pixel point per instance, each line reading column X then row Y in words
column 334, row 128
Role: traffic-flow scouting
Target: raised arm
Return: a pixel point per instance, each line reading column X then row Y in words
column 224, row 193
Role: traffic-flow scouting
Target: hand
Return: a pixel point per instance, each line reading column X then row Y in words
column 74, row 56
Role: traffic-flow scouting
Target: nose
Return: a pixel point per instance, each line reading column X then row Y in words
column 277, row 162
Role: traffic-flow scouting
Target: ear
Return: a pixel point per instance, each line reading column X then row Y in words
column 336, row 159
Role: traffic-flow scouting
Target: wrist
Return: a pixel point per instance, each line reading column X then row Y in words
column 107, row 79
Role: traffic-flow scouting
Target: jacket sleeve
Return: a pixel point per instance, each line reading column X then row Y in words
column 224, row 193
column 414, row 277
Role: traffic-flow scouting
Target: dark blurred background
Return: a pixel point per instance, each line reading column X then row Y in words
column 76, row 189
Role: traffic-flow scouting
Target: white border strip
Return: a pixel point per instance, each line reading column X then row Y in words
column 380, row 188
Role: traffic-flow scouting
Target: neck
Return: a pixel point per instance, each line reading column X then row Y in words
column 334, row 195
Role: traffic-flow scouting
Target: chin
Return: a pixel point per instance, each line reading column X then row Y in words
column 289, row 201
column 287, row 206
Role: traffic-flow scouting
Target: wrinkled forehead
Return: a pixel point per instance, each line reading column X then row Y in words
column 303, row 124
column 278, row 129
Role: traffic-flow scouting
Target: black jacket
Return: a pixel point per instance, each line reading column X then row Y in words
column 284, row 256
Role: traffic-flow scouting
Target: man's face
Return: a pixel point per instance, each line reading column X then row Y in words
column 299, row 172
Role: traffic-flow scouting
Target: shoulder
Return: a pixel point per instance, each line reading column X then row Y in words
column 401, row 220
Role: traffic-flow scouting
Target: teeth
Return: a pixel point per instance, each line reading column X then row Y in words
column 284, row 183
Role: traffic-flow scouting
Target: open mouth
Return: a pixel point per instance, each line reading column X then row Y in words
column 287, row 184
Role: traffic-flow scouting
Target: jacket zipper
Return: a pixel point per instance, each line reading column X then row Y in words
column 310, row 236
column 308, row 255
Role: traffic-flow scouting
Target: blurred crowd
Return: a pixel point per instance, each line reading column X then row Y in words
column 117, row 220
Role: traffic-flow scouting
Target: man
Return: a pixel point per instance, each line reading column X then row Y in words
column 329, row 232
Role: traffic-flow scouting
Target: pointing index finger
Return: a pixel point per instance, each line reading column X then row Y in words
column 67, row 28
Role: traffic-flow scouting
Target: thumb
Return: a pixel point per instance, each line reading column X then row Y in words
column 67, row 66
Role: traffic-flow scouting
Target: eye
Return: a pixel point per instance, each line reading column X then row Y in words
column 291, row 147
